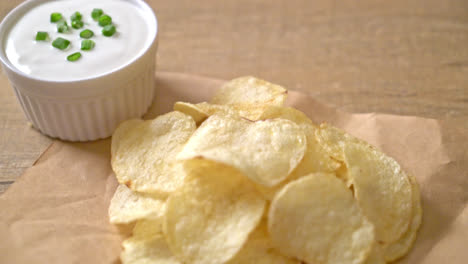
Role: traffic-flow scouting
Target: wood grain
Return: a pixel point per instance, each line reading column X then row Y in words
column 400, row 57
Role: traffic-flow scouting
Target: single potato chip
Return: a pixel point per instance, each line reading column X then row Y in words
column 399, row 248
column 265, row 151
column 121, row 132
column 127, row 206
column 317, row 220
column 259, row 250
column 210, row 217
column 144, row 160
column 382, row 190
column 250, row 90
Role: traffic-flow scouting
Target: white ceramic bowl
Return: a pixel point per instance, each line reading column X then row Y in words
column 86, row 109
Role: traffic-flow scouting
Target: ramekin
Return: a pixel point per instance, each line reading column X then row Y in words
column 86, row 109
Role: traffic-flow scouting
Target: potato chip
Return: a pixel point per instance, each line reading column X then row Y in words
column 316, row 158
column 259, row 250
column 198, row 196
column 317, row 220
column 382, row 190
column 148, row 227
column 399, row 248
column 289, row 113
column 192, row 110
column 250, row 90
column 210, row 217
column 334, row 139
column 200, row 112
column 385, row 188
column 127, row 206
column 265, row 151
column 147, row 250
column 145, row 158
column 121, row 132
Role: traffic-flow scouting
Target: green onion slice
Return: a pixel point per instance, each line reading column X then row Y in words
column 74, row 57
column 62, row 26
column 86, row 34
column 42, row 36
column 77, row 24
column 61, row 43
column 108, row 30
column 55, row 17
column 76, row 16
column 105, row 20
column 96, row 13
column 87, row 44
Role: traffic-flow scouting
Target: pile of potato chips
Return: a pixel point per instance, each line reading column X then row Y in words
column 243, row 179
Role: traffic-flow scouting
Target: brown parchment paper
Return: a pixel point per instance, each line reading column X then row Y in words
column 56, row 213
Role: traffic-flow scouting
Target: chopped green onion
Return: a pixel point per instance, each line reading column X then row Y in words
column 87, row 44
column 97, row 12
column 61, row 43
column 76, row 16
column 55, row 17
column 105, row 20
column 42, row 36
column 77, row 24
column 74, row 57
column 108, row 30
column 86, row 34
column 62, row 27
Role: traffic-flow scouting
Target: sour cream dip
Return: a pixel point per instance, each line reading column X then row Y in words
column 84, row 99
column 40, row 60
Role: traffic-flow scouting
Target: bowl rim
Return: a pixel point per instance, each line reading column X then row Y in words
column 24, row 7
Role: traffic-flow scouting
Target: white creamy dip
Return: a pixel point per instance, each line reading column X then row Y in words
column 41, row 60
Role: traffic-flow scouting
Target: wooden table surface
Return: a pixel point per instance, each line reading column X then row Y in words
column 405, row 57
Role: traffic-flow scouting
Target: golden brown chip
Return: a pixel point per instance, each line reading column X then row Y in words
column 250, row 90
column 265, row 151
column 144, row 160
column 317, row 220
column 210, row 217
